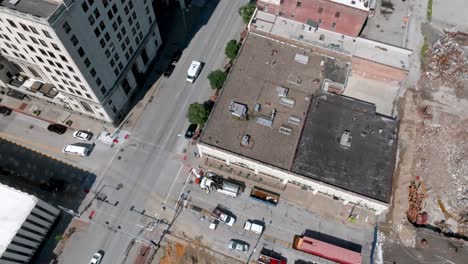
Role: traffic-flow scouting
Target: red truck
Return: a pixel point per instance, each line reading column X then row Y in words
column 326, row 250
column 268, row 256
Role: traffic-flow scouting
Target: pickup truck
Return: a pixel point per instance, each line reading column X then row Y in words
column 224, row 215
column 254, row 226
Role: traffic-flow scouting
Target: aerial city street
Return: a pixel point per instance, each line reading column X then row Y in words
column 233, row 131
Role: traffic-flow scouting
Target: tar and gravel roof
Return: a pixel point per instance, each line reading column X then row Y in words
column 15, row 207
column 366, row 167
column 264, row 65
column 312, row 149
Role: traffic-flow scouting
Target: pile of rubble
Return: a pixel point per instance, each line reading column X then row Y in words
column 446, row 60
column 416, row 195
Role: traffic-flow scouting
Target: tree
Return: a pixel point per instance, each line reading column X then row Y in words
column 246, row 11
column 232, row 48
column 197, row 114
column 217, row 79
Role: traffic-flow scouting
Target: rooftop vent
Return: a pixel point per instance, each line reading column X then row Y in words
column 281, row 91
column 287, row 102
column 294, row 120
column 257, row 107
column 238, row 109
column 285, row 130
column 303, row 59
column 264, row 121
column 346, row 139
column 245, row 140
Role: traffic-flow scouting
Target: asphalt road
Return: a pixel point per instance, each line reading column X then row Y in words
column 149, row 167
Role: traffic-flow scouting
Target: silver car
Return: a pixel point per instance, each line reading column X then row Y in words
column 238, row 245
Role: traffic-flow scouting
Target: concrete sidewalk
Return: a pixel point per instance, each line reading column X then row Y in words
column 54, row 114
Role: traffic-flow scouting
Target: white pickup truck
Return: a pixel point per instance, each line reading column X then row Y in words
column 254, row 226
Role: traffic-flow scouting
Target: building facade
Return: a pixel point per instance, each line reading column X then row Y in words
column 24, row 222
column 345, row 17
column 92, row 53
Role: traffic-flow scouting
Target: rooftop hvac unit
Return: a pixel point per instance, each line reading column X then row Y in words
column 346, row 139
column 303, row 59
column 287, row 102
column 294, row 120
column 281, row 91
column 245, row 140
column 264, row 121
column 257, row 107
column 285, row 130
column 238, row 109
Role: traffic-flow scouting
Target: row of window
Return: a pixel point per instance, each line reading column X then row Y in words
column 29, row 28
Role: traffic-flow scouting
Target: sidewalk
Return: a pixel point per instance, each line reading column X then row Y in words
column 54, row 114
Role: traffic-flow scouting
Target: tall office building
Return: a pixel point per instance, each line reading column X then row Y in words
column 85, row 55
column 24, row 223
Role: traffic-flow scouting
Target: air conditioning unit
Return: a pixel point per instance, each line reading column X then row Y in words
column 285, row 130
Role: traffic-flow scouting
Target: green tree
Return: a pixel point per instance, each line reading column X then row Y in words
column 217, row 79
column 232, row 48
column 197, row 114
column 246, row 11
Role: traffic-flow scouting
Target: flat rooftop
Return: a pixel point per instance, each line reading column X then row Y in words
column 14, row 209
column 39, row 8
column 346, row 144
column 262, row 66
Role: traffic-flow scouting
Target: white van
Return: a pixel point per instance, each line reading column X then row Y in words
column 193, row 71
column 76, row 150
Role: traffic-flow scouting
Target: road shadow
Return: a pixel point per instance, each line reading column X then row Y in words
column 177, row 27
column 48, row 179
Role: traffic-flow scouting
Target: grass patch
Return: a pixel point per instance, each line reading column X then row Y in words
column 424, row 49
column 429, row 10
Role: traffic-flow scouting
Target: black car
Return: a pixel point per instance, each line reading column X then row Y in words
column 169, row 70
column 176, row 57
column 57, row 128
column 5, row 110
column 191, row 131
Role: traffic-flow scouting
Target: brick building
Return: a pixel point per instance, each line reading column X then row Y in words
column 342, row 16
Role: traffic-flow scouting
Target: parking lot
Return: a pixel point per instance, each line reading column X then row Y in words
column 282, row 222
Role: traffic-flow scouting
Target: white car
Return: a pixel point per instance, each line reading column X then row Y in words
column 96, row 259
column 82, row 135
column 238, row 245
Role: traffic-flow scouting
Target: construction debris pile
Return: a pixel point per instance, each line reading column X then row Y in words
column 446, row 60
column 417, row 193
column 442, row 161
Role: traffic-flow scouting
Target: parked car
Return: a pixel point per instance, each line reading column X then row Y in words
column 238, row 245
column 5, row 111
column 167, row 73
column 176, row 57
column 191, row 131
column 96, row 259
column 57, row 128
column 83, row 135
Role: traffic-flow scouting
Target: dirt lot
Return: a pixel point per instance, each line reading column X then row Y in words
column 176, row 252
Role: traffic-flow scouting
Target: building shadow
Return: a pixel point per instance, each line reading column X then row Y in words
column 177, row 28
column 50, row 180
